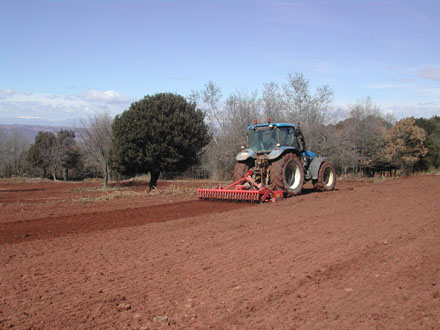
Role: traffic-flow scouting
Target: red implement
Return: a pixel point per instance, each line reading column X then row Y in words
column 244, row 189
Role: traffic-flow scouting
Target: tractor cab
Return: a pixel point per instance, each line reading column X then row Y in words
column 264, row 138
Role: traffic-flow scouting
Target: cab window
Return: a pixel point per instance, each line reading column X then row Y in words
column 284, row 136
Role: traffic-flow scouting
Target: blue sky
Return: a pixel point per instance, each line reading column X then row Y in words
column 62, row 60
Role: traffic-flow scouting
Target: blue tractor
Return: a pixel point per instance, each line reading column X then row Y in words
column 279, row 159
column 276, row 164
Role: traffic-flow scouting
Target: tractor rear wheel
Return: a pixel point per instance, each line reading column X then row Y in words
column 240, row 171
column 287, row 174
column 326, row 177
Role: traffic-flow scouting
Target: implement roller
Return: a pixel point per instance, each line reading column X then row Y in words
column 275, row 165
column 244, row 189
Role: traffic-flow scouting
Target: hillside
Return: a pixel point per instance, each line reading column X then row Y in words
column 31, row 131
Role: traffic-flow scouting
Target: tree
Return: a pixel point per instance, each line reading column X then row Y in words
column 405, row 144
column 52, row 152
column 208, row 100
column 96, row 137
column 211, row 96
column 42, row 154
column 273, row 104
column 366, row 130
column 311, row 111
column 14, row 147
column 432, row 130
column 163, row 132
column 67, row 153
column 241, row 109
column 3, row 152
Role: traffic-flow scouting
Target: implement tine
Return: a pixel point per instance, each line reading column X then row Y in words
column 231, row 195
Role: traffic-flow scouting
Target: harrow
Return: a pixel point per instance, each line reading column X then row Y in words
column 244, row 189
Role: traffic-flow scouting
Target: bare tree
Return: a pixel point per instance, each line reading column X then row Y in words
column 311, row 111
column 2, row 145
column 273, row 103
column 241, row 108
column 211, row 96
column 13, row 149
column 362, row 137
column 96, row 135
column 364, row 108
column 298, row 98
column 209, row 101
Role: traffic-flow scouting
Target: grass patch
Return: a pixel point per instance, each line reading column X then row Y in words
column 19, row 179
column 110, row 195
column 173, row 190
column 99, row 188
column 116, row 193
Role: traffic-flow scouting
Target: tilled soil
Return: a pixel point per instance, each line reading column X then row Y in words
column 365, row 256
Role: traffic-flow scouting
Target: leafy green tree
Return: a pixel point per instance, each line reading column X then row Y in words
column 163, row 132
column 67, row 153
column 405, row 144
column 52, row 152
column 41, row 154
column 432, row 129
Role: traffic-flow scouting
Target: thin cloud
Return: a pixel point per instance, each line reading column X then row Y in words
column 426, row 103
column 28, row 117
column 5, row 93
column 412, row 88
column 110, row 97
column 425, row 110
column 54, row 107
column 386, row 86
column 429, row 73
column 429, row 92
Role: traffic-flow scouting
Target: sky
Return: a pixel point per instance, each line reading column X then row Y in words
column 64, row 60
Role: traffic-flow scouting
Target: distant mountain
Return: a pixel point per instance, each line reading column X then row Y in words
column 37, row 121
column 31, row 131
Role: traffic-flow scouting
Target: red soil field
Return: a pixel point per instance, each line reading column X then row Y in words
column 365, row 256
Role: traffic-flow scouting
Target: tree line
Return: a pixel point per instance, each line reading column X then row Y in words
column 157, row 134
column 365, row 141
column 201, row 133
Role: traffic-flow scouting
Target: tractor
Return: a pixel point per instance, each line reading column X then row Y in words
column 276, row 164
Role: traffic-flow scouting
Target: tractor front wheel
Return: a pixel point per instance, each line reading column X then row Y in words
column 287, row 174
column 326, row 177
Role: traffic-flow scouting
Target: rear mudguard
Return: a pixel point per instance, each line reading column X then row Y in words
column 280, row 151
column 245, row 154
column 312, row 165
column 315, row 165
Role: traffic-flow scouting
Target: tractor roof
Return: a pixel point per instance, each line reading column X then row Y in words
column 274, row 124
